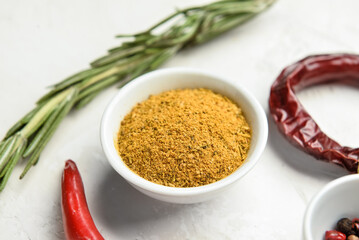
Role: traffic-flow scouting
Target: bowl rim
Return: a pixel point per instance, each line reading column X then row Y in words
column 314, row 202
column 144, row 184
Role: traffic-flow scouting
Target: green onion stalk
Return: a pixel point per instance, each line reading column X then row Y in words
column 139, row 53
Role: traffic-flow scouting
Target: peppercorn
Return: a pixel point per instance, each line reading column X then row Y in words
column 353, row 237
column 334, row 235
column 344, row 225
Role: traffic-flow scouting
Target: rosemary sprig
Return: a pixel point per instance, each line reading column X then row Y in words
column 142, row 53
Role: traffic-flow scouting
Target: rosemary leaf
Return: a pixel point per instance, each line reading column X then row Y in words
column 188, row 31
column 164, row 57
column 79, row 76
column 117, row 55
column 9, row 148
column 39, row 137
column 2, row 146
column 4, row 175
column 99, row 86
column 69, row 102
column 71, row 81
column 17, row 126
column 220, row 27
column 136, row 41
column 83, row 101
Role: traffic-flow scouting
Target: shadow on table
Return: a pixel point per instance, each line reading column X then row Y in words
column 120, row 205
column 300, row 160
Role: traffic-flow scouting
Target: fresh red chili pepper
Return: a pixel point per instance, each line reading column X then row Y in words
column 292, row 119
column 334, row 235
column 78, row 223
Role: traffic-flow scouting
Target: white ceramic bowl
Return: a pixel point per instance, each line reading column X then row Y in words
column 338, row 199
column 173, row 78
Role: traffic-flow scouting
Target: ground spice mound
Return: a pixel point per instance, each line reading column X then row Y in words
column 184, row 138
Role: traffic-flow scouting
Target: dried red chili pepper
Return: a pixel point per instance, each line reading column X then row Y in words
column 292, row 119
column 334, row 235
column 78, row 223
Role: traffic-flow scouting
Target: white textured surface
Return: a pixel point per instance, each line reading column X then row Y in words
column 42, row 42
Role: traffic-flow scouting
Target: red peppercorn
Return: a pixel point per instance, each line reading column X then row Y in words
column 334, row 235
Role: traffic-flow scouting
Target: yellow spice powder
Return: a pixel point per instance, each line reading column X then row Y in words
column 184, row 138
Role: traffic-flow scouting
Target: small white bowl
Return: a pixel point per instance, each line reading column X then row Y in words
column 338, row 199
column 174, row 78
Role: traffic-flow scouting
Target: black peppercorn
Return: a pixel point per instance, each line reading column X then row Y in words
column 344, row 225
